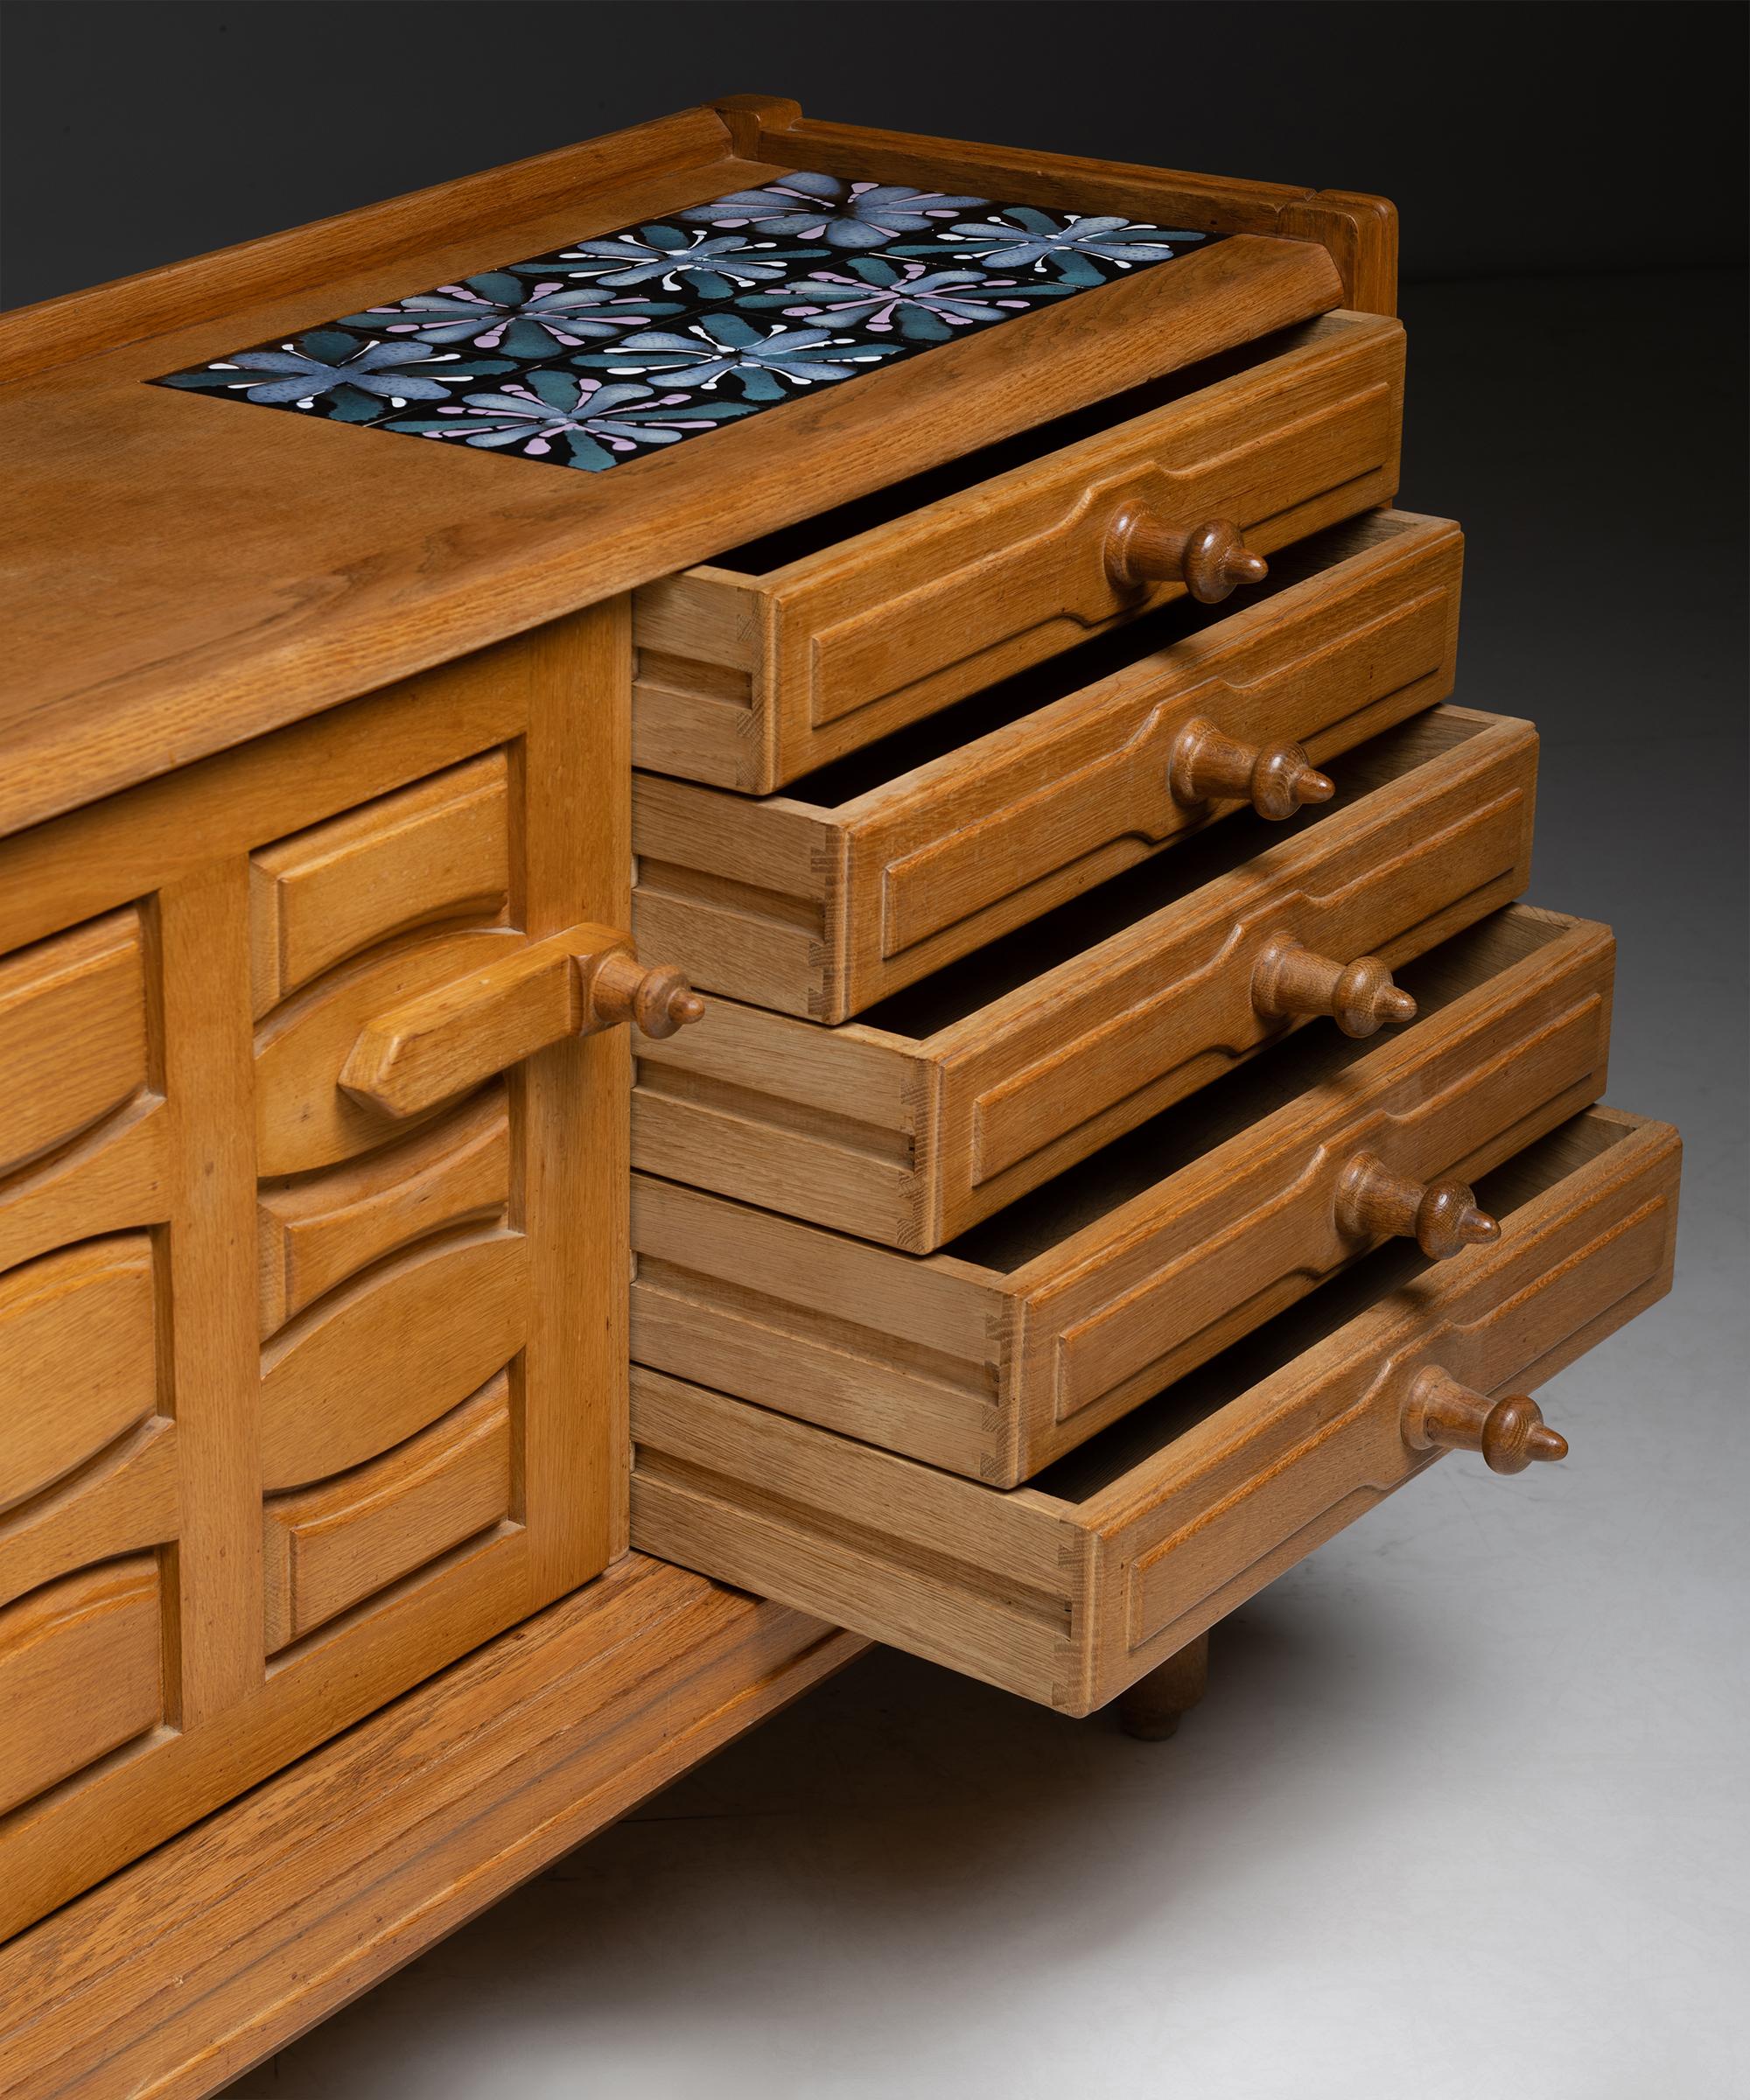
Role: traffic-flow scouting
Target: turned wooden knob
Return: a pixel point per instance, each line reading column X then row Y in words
column 657, row 998
column 1440, row 1216
column 1277, row 779
column 1210, row 560
column 1510, row 1433
column 1359, row 996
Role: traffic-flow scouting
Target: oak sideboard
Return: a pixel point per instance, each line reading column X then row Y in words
column 742, row 909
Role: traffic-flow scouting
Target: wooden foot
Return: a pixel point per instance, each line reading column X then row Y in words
column 1150, row 1709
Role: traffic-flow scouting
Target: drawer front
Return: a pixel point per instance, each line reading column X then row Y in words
column 841, row 647
column 1032, row 1333
column 1068, row 1591
column 821, row 910
column 72, row 1035
column 1432, row 831
column 1035, row 1084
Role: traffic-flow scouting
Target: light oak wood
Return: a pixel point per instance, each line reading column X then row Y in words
column 1070, row 1590
column 126, row 1497
column 957, row 1097
column 73, row 1036
column 420, row 1052
column 81, row 1658
column 78, row 1358
column 445, row 1316
column 405, row 1270
column 306, row 1116
column 438, row 849
column 823, row 900
column 1033, row 1332
column 327, row 1547
column 836, row 641
column 1359, row 232
column 206, row 1318
column 177, row 1975
column 437, row 551
column 318, row 1230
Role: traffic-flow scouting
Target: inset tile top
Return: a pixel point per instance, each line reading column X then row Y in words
column 629, row 341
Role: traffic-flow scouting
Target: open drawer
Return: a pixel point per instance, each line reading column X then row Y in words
column 1034, row 1330
column 868, row 875
column 1070, row 1589
column 787, row 652
column 955, row 1096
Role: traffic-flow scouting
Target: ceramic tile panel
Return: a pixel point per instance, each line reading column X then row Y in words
column 627, row 342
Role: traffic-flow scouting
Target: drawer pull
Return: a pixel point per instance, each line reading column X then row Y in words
column 1359, row 996
column 571, row 983
column 1211, row 560
column 1277, row 779
column 1510, row 1433
column 1440, row 1216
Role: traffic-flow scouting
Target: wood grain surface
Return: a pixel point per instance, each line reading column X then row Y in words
column 1069, row 1589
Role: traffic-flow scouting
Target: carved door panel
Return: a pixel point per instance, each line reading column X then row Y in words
column 301, row 1401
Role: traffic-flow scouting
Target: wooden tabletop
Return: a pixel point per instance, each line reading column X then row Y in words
column 181, row 573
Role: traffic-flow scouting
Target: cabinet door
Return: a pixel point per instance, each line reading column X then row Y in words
column 302, row 1400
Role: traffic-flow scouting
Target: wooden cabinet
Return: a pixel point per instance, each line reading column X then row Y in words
column 306, row 1399
column 1103, row 1116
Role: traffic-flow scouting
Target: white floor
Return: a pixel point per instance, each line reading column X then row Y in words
column 1463, row 1816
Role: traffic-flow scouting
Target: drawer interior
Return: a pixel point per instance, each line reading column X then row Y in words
column 761, row 559
column 1036, row 1225
column 1082, row 1476
column 952, row 995
column 877, row 765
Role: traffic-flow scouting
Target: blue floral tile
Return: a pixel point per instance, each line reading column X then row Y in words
column 756, row 360
column 571, row 418
column 346, row 378
column 527, row 319
column 632, row 341
column 911, row 300
column 689, row 263
column 842, row 214
column 1065, row 247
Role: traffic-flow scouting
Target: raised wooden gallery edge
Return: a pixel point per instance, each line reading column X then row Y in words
column 299, row 601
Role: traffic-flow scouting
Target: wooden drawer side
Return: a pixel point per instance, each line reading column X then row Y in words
column 1086, row 1579
column 1121, row 793
column 1061, row 1313
column 749, row 678
column 1169, row 1010
column 821, row 902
